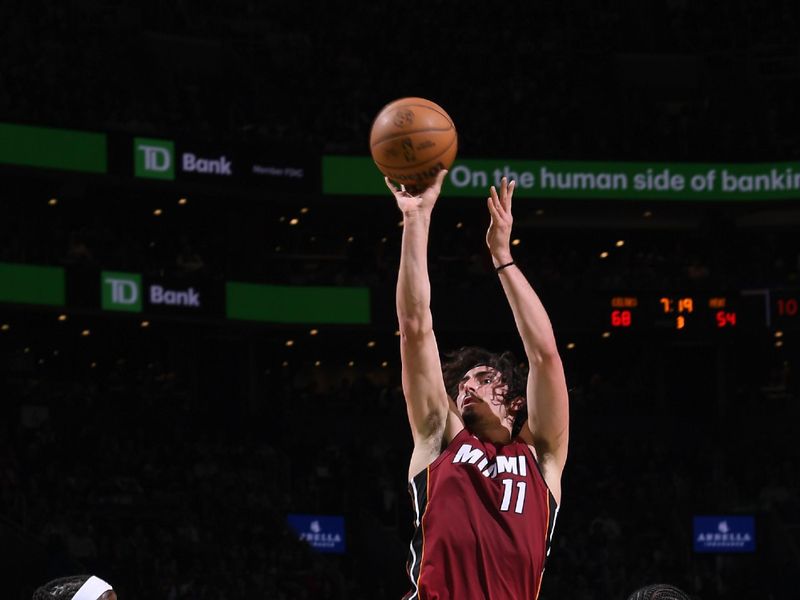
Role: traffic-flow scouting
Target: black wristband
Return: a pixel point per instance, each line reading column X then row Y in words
column 501, row 267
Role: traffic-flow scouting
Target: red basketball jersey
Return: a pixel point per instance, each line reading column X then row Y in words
column 484, row 520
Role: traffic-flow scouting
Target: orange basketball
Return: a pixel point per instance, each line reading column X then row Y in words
column 412, row 139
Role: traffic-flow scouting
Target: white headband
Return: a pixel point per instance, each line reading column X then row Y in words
column 92, row 589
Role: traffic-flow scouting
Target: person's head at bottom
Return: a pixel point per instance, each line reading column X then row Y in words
column 659, row 591
column 75, row 587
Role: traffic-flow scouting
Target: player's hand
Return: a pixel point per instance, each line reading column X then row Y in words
column 409, row 202
column 498, row 237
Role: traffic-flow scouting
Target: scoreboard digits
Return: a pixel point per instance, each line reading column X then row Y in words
column 785, row 310
column 621, row 318
column 695, row 312
column 621, row 313
column 787, row 307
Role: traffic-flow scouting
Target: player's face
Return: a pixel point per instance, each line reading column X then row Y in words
column 481, row 389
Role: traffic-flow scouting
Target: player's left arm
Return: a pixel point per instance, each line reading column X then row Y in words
column 548, row 402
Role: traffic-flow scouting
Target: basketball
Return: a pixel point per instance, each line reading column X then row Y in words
column 411, row 140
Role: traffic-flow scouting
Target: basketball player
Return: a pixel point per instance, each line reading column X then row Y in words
column 76, row 587
column 485, row 492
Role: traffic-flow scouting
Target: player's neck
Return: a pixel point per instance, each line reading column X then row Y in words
column 495, row 433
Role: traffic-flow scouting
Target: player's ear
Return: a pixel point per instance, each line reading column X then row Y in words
column 517, row 403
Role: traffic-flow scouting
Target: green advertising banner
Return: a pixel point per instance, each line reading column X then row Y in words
column 358, row 175
column 53, row 148
column 28, row 284
column 295, row 304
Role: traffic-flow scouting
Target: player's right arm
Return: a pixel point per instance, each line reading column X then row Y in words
column 423, row 384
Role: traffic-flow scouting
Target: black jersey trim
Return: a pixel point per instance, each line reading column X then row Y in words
column 552, row 514
column 418, row 489
column 551, row 522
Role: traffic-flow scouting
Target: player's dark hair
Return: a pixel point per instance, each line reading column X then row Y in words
column 659, row 591
column 61, row 589
column 460, row 361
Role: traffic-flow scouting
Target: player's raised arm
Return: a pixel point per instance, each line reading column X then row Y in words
column 423, row 384
column 548, row 405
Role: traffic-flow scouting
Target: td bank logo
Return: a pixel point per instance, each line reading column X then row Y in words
column 154, row 159
column 121, row 291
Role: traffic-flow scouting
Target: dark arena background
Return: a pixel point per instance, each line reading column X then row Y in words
column 200, row 386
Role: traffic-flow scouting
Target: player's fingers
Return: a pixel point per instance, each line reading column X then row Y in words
column 495, row 217
column 505, row 190
column 498, row 209
column 510, row 194
column 495, row 207
column 390, row 185
column 498, row 201
column 439, row 181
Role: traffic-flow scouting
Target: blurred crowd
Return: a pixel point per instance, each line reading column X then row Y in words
column 669, row 81
column 121, row 473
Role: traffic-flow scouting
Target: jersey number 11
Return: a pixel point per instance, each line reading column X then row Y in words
column 508, row 490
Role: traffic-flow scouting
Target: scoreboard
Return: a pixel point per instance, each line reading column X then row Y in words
column 703, row 312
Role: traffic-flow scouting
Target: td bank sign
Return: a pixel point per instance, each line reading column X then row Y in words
column 126, row 292
column 121, row 291
column 156, row 159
